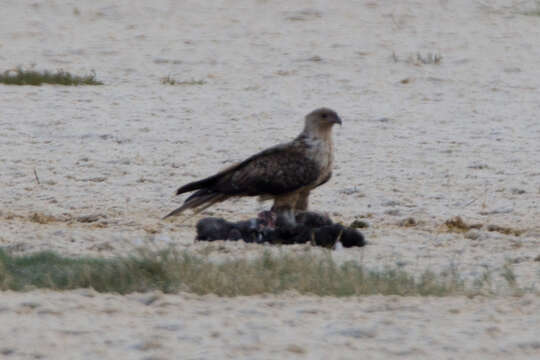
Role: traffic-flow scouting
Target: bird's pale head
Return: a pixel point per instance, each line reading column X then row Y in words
column 322, row 119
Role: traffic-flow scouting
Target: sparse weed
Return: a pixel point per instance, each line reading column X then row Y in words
column 419, row 59
column 428, row 59
column 509, row 275
column 168, row 80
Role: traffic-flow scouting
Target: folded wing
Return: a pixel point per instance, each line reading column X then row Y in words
column 273, row 172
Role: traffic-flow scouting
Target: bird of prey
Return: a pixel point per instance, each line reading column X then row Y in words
column 285, row 173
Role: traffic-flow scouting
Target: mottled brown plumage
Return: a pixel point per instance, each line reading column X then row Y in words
column 286, row 172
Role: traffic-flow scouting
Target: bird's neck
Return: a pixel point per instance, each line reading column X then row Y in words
column 318, row 146
column 317, row 133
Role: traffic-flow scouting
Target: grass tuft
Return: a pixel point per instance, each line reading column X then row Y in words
column 456, row 224
column 419, row 59
column 172, row 271
column 168, row 80
column 36, row 78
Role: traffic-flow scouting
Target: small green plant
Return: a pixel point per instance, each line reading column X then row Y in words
column 509, row 275
column 168, row 80
column 36, row 78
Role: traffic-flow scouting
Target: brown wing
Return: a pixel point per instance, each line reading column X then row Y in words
column 276, row 171
column 212, row 180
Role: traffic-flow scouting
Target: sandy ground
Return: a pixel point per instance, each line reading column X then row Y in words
column 428, row 141
column 86, row 325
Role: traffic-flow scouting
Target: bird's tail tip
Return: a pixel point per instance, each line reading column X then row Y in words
column 175, row 212
column 198, row 202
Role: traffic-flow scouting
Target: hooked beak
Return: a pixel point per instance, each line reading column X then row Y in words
column 337, row 120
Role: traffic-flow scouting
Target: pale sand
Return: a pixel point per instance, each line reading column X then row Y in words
column 457, row 138
column 86, row 325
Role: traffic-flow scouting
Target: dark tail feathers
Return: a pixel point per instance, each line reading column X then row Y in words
column 204, row 183
column 199, row 201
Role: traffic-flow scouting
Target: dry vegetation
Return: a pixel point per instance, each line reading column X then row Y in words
column 456, row 224
column 505, row 230
column 418, row 59
column 168, row 80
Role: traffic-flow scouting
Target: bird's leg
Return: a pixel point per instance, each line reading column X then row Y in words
column 302, row 202
column 284, row 207
column 284, row 216
column 288, row 215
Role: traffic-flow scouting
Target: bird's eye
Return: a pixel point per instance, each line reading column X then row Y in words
column 324, row 116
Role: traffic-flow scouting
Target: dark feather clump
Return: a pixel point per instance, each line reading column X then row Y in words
column 311, row 227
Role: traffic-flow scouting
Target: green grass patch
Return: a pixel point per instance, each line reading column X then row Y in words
column 172, row 271
column 37, row 78
column 168, row 80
